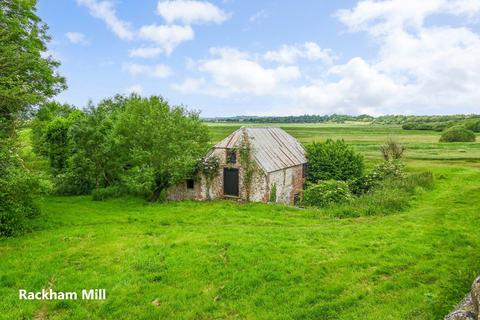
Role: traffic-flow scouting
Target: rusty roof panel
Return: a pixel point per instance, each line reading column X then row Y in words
column 273, row 148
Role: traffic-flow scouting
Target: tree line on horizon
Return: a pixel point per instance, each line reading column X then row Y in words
column 342, row 118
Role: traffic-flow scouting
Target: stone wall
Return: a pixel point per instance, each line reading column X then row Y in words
column 288, row 182
column 469, row 308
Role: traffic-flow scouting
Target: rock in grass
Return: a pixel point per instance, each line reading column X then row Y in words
column 469, row 308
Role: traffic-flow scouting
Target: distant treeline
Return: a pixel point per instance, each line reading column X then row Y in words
column 435, row 122
column 337, row 118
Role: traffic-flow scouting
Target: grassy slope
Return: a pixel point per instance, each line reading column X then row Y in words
column 224, row 260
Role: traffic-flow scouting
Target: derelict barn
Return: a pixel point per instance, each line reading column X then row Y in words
column 279, row 161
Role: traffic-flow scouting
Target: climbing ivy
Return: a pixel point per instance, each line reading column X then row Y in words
column 249, row 165
column 209, row 168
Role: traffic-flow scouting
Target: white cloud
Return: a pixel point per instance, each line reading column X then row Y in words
column 434, row 68
column 419, row 68
column 382, row 17
column 77, row 38
column 156, row 71
column 168, row 37
column 136, row 88
column 105, row 11
column 232, row 72
column 290, row 54
column 145, row 52
column 190, row 12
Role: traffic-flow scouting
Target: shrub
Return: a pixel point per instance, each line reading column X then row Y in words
column 458, row 134
column 392, row 150
column 473, row 125
column 333, row 160
column 16, row 188
column 101, row 194
column 389, row 196
column 326, row 193
column 392, row 170
column 273, row 194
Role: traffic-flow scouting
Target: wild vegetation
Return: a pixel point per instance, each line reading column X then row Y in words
column 27, row 78
column 123, row 146
column 377, row 240
column 224, row 259
column 458, row 134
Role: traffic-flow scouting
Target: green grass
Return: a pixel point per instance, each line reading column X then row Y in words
column 253, row 261
column 421, row 145
column 223, row 260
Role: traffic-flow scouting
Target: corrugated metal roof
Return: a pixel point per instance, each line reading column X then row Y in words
column 273, row 148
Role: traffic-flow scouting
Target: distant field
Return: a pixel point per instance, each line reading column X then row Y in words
column 224, row 260
column 422, row 145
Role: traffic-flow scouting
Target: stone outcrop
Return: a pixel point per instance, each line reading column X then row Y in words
column 469, row 308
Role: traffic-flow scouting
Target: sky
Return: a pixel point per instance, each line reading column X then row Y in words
column 284, row 57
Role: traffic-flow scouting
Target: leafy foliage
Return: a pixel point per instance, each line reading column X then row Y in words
column 473, row 125
column 16, row 188
column 458, row 134
column 249, row 166
column 326, row 193
column 333, row 160
column 26, row 79
column 273, row 194
column 141, row 145
column 209, row 167
column 393, row 170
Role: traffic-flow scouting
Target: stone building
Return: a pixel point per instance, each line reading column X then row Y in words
column 279, row 169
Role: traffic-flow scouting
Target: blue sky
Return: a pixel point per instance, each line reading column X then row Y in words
column 235, row 57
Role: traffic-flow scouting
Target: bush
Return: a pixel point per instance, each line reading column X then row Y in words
column 101, row 194
column 273, row 194
column 392, row 150
column 389, row 196
column 333, row 160
column 473, row 125
column 392, row 170
column 458, row 134
column 16, row 188
column 326, row 193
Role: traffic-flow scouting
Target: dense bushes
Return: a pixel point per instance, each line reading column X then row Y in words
column 333, row 160
column 125, row 145
column 16, row 188
column 28, row 77
column 326, row 193
column 435, row 126
column 473, row 125
column 386, row 188
column 458, row 134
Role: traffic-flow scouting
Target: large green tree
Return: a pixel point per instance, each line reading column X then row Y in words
column 28, row 77
column 166, row 141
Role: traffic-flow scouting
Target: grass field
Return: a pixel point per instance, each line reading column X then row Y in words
column 223, row 260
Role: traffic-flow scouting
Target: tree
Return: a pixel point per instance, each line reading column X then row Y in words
column 333, row 160
column 27, row 78
column 166, row 140
column 458, row 134
column 27, row 75
column 43, row 116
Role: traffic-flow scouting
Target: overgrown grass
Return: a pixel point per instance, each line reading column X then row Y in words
column 222, row 260
column 392, row 196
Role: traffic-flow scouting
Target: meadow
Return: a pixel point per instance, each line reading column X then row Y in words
column 226, row 260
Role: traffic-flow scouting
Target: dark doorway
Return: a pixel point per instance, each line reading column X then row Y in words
column 230, row 182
